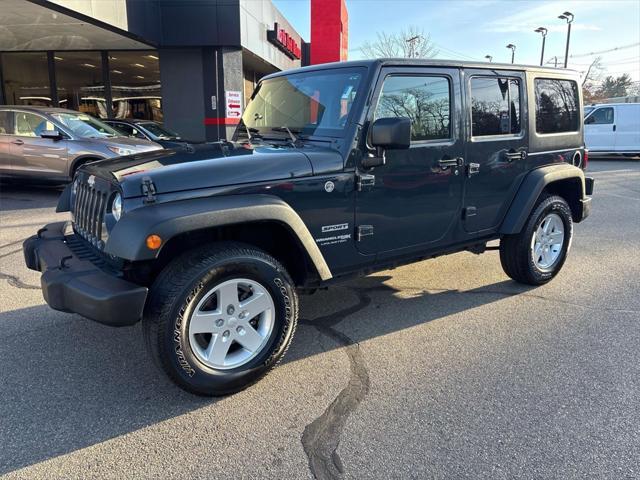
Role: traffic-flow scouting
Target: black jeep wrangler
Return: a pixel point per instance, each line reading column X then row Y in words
column 334, row 170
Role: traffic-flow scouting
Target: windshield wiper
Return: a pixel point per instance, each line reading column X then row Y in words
column 284, row 128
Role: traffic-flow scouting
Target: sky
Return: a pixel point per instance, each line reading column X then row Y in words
column 471, row 29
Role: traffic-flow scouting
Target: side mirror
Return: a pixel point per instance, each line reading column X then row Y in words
column 52, row 134
column 391, row 133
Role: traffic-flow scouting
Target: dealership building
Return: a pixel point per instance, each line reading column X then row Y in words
column 190, row 64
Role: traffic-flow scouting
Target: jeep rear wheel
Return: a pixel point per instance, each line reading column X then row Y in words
column 536, row 254
column 219, row 318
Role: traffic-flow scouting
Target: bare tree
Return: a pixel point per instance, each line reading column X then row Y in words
column 411, row 42
column 593, row 73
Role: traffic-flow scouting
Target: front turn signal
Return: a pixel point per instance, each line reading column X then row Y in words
column 153, row 242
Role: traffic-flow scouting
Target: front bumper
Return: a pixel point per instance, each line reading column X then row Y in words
column 70, row 283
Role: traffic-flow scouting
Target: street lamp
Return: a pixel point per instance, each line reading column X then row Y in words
column 513, row 50
column 543, row 31
column 568, row 16
column 489, row 57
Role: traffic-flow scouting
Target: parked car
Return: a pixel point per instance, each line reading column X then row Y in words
column 335, row 170
column 613, row 128
column 149, row 130
column 51, row 143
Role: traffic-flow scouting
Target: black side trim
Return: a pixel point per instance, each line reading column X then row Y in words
column 127, row 239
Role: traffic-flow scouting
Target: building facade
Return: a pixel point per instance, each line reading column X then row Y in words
column 191, row 64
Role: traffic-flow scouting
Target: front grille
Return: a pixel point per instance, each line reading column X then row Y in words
column 89, row 207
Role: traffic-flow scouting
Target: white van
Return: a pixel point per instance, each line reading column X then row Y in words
column 613, row 128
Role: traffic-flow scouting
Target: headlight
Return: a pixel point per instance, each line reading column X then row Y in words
column 120, row 151
column 116, row 207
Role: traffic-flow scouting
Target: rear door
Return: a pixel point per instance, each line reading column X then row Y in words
column 414, row 200
column 600, row 130
column 628, row 127
column 496, row 145
column 34, row 155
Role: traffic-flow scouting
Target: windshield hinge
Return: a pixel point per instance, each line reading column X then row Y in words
column 148, row 190
column 364, row 180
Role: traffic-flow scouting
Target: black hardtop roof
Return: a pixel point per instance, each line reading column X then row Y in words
column 411, row 62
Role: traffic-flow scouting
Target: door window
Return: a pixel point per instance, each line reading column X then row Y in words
column 426, row 100
column 556, row 106
column 601, row 116
column 5, row 123
column 495, row 106
column 31, row 125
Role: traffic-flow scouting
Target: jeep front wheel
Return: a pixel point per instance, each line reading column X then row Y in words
column 536, row 254
column 218, row 319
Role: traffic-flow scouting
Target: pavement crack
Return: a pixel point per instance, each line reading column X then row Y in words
column 321, row 437
column 16, row 282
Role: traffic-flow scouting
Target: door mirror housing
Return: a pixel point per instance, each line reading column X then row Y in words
column 52, row 134
column 390, row 133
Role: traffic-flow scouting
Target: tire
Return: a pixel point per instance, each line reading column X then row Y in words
column 192, row 294
column 517, row 251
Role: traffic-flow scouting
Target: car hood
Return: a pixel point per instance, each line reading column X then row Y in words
column 136, row 144
column 203, row 166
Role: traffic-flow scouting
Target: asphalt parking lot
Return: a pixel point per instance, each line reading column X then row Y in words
column 441, row 369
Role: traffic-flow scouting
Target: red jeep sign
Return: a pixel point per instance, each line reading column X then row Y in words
column 285, row 42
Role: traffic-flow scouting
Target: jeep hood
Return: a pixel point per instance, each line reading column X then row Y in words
column 202, row 166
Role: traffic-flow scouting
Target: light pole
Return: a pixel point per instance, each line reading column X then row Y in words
column 543, row 31
column 513, row 51
column 412, row 41
column 568, row 16
column 489, row 57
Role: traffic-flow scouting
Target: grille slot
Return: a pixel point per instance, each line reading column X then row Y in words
column 88, row 211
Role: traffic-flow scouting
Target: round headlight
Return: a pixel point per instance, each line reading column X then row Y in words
column 116, row 207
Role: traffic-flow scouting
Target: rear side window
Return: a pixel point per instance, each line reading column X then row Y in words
column 423, row 99
column 495, row 106
column 601, row 116
column 5, row 123
column 556, row 106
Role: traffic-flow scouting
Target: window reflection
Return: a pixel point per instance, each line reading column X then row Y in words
column 80, row 83
column 425, row 100
column 135, row 85
column 26, row 79
column 495, row 106
column 556, row 106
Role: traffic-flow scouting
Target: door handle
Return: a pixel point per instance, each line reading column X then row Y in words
column 513, row 155
column 614, row 127
column 17, row 142
column 447, row 162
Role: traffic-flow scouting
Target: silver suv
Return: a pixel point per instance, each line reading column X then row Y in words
column 51, row 143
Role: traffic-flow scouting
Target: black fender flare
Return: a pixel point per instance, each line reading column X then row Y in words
column 127, row 239
column 531, row 188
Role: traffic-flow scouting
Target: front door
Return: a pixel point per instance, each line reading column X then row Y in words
column 496, row 145
column 416, row 196
column 34, row 155
column 600, row 130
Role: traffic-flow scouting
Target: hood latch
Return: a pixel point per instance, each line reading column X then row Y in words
column 148, row 190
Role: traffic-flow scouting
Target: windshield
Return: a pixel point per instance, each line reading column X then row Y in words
column 316, row 102
column 159, row 131
column 86, row 126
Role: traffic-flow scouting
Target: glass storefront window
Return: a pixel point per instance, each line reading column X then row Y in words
column 26, row 79
column 135, row 85
column 80, row 83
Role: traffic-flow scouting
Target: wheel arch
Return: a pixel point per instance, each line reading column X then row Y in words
column 563, row 180
column 78, row 161
column 263, row 221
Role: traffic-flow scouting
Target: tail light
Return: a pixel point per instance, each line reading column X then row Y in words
column 585, row 159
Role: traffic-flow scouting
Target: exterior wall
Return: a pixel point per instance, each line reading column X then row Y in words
column 329, row 31
column 113, row 12
column 181, row 74
column 256, row 18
